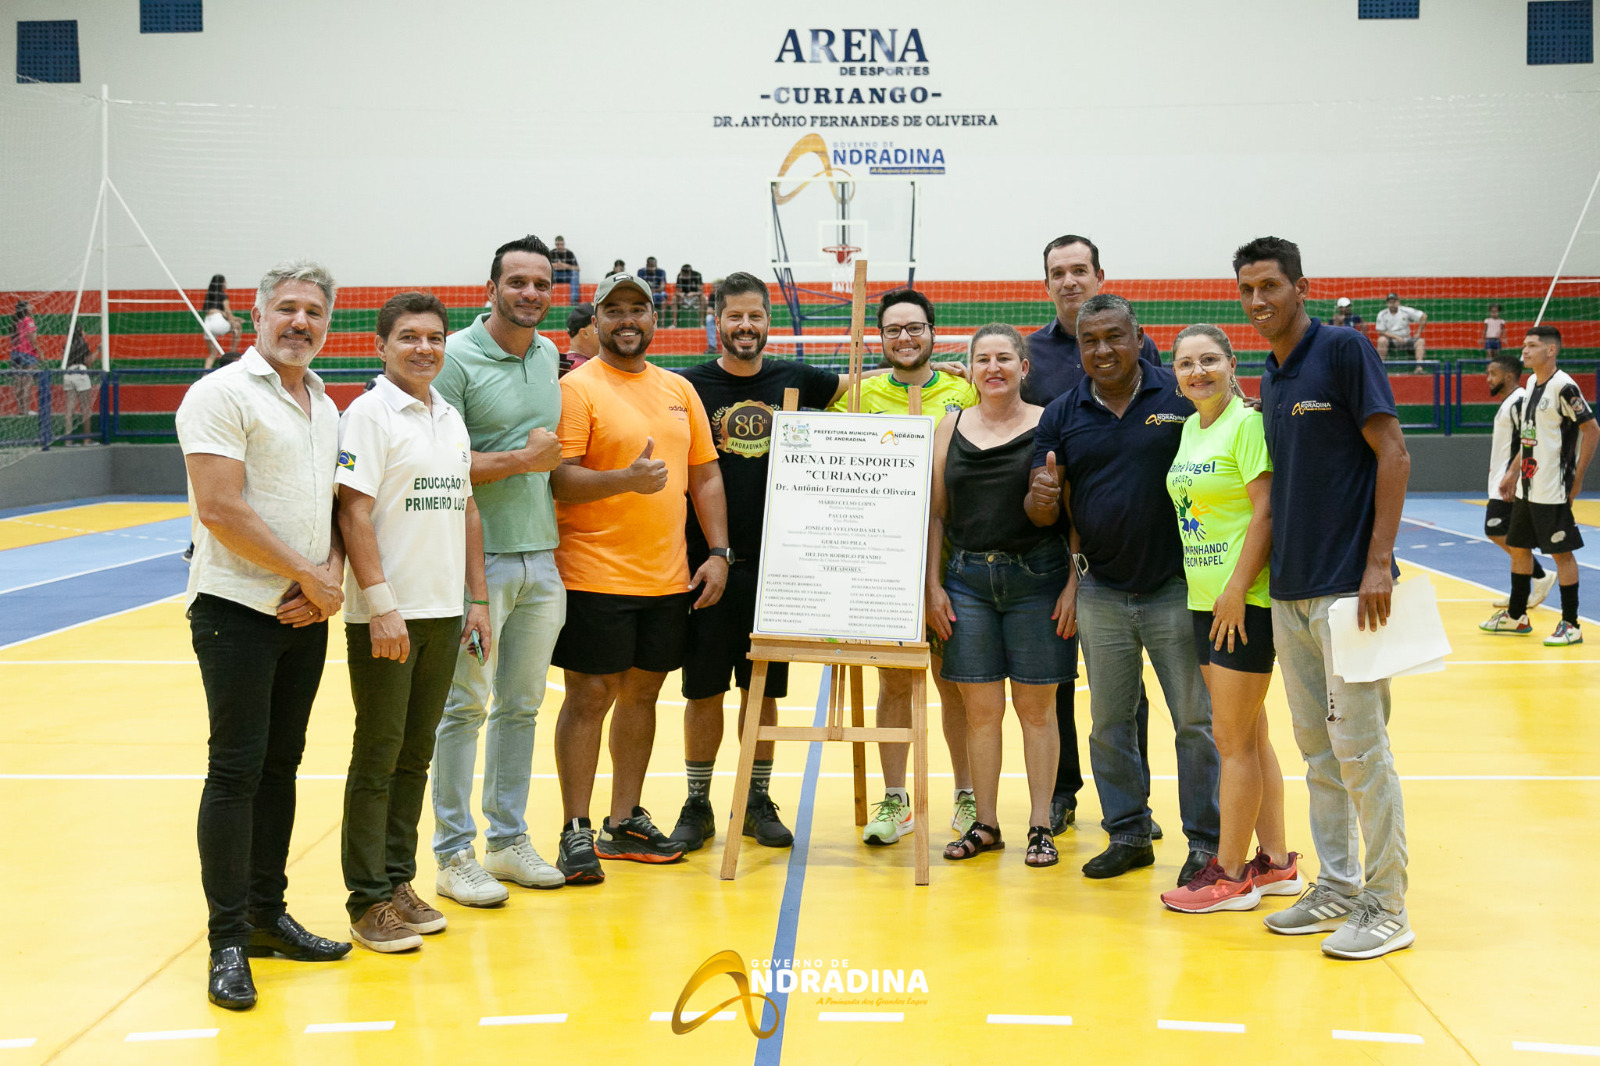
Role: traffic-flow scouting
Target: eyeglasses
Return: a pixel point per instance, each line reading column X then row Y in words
column 915, row 329
column 1208, row 363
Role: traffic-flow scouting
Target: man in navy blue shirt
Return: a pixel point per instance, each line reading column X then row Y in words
column 1072, row 274
column 1339, row 482
column 1102, row 451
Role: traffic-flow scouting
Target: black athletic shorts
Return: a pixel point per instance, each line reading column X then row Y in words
column 607, row 634
column 1549, row 527
column 1256, row 657
column 719, row 636
column 1497, row 520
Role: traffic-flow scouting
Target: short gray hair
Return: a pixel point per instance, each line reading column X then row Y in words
column 1106, row 301
column 296, row 270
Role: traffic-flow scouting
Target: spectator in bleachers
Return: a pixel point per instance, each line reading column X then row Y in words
column 1344, row 315
column 689, row 298
column 583, row 343
column 653, row 276
column 1394, row 330
column 565, row 263
column 617, row 267
column 24, row 356
column 1494, row 328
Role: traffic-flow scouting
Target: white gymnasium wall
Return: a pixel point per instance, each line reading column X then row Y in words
column 399, row 141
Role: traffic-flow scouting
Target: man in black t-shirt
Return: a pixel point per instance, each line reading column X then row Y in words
column 740, row 390
column 564, row 262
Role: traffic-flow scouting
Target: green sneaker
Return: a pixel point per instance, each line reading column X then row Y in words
column 891, row 819
column 965, row 814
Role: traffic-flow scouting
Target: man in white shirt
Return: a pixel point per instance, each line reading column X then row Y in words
column 1394, row 330
column 414, row 540
column 259, row 439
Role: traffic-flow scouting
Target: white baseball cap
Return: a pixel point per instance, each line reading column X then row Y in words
column 1344, row 301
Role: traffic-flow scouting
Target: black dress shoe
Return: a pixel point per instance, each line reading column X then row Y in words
column 1118, row 859
column 1155, row 830
column 230, row 984
column 1192, row 866
column 1061, row 816
column 290, row 939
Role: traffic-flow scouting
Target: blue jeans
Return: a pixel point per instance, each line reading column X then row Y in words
column 570, row 279
column 1343, row 733
column 1113, row 628
column 1003, row 603
column 527, row 607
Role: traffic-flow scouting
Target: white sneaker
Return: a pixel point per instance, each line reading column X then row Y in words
column 1541, row 588
column 520, row 863
column 1503, row 602
column 464, row 881
column 1370, row 932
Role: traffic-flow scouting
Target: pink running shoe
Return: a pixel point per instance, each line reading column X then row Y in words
column 1212, row 891
column 1273, row 880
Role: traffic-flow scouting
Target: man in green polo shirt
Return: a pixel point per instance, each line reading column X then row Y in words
column 502, row 376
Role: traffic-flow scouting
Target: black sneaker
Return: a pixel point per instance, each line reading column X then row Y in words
column 636, row 839
column 1061, row 816
column 761, row 821
column 697, row 823
column 576, row 859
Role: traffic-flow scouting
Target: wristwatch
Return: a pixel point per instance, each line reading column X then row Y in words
column 724, row 553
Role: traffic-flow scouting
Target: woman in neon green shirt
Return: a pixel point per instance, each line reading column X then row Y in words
column 1220, row 482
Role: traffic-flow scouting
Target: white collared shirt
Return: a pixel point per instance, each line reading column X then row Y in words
column 243, row 412
column 416, row 464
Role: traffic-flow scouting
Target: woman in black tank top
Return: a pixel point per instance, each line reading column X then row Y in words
column 995, row 602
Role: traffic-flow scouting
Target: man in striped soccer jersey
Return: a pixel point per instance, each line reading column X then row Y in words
column 1558, row 436
column 1504, row 376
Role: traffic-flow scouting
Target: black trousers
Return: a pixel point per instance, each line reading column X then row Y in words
column 261, row 677
column 1069, row 772
column 398, row 706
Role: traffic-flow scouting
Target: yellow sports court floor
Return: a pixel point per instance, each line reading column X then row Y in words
column 102, row 750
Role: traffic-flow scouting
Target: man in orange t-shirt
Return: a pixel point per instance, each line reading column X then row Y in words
column 634, row 442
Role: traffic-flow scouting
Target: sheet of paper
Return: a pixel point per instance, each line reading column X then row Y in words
column 1413, row 642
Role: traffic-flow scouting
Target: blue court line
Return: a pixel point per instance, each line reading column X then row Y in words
column 62, row 505
column 83, row 553
column 769, row 1052
column 33, row 612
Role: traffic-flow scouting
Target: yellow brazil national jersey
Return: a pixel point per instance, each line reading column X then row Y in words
column 883, row 395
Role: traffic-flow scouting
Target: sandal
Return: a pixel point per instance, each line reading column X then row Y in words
column 1041, row 847
column 972, row 842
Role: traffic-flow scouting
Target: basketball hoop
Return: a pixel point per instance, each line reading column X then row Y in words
column 841, row 273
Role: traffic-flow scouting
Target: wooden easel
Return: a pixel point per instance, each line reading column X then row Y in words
column 847, row 658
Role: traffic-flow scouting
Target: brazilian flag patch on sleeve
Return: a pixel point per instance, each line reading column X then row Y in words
column 347, row 460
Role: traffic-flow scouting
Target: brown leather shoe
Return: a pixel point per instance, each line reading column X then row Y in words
column 381, row 930
column 415, row 914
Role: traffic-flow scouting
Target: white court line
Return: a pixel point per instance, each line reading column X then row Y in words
column 1200, row 1027
column 1030, row 1019
column 861, row 1016
column 349, row 1027
column 171, row 1034
column 91, row 570
column 1481, row 585
column 1377, row 1038
column 19, row 1041
column 90, row 621
column 1556, row 1049
column 691, row 1015
column 523, row 1019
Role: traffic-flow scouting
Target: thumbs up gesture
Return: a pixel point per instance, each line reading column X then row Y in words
column 647, row 475
column 1044, row 493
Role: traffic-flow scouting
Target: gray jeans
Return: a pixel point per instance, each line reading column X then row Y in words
column 1343, row 733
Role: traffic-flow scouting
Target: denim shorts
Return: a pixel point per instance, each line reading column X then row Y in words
column 1003, row 629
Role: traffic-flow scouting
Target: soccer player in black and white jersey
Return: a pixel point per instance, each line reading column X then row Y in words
column 1504, row 376
column 1558, row 436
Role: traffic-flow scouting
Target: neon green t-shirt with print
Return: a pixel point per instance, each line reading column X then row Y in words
column 883, row 395
column 1207, row 484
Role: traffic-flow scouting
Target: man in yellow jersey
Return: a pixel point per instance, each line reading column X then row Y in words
column 905, row 322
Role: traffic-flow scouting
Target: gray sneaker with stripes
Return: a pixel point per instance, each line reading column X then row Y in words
column 1370, row 932
column 1318, row 910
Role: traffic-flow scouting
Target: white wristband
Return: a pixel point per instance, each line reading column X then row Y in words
column 380, row 598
